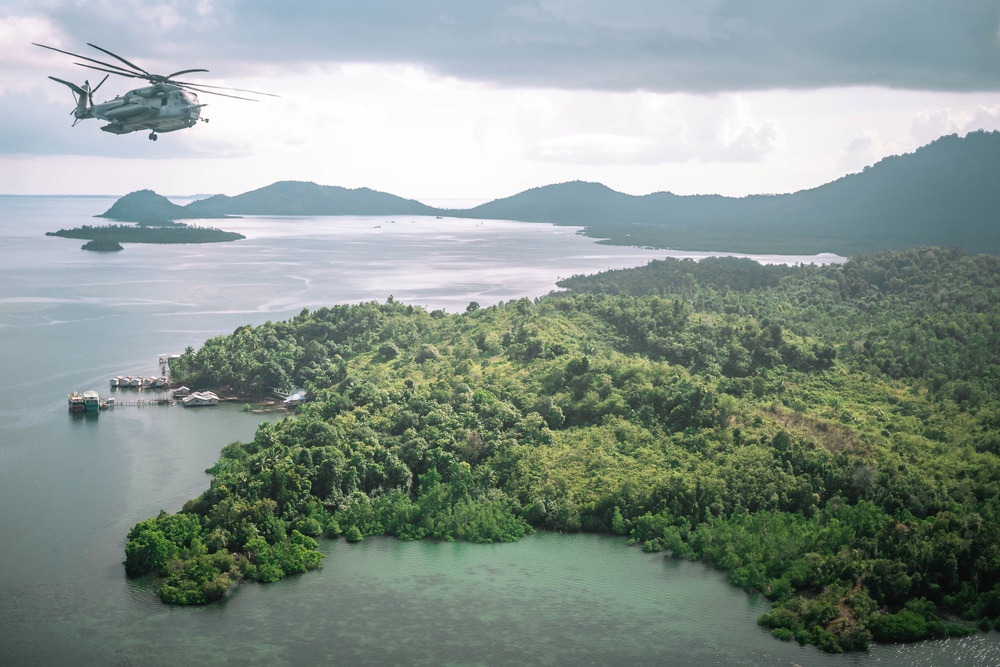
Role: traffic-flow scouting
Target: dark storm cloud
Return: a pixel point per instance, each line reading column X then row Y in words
column 656, row 45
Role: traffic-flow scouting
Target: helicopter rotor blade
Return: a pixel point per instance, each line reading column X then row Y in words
column 130, row 75
column 136, row 72
column 118, row 57
column 237, row 90
column 188, row 86
column 183, row 71
column 72, row 86
column 94, row 89
column 118, row 70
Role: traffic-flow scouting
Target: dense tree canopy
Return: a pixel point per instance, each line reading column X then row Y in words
column 827, row 435
column 163, row 232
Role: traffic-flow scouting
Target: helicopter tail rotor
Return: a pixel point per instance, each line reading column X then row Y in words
column 93, row 90
column 83, row 96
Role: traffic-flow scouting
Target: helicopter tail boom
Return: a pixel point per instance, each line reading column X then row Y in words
column 83, row 96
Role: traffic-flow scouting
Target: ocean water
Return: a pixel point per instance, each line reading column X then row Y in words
column 71, row 487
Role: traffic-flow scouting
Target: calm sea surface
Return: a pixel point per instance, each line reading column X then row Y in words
column 70, row 488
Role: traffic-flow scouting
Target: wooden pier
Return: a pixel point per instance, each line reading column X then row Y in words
column 143, row 402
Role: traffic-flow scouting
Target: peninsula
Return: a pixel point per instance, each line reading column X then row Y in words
column 826, row 435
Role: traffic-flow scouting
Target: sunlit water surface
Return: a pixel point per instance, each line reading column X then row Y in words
column 70, row 488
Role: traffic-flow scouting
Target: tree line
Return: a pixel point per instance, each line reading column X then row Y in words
column 827, row 435
column 164, row 232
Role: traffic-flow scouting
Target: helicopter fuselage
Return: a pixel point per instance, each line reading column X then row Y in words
column 161, row 107
column 168, row 105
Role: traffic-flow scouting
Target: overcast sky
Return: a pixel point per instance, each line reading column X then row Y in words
column 468, row 99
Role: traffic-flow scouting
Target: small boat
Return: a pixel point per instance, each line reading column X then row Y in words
column 76, row 403
column 115, row 382
column 135, row 382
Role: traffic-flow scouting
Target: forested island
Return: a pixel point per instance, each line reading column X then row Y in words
column 102, row 245
column 828, row 436
column 108, row 236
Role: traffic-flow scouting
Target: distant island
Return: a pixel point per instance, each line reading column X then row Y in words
column 102, row 245
column 148, row 208
column 110, row 237
column 942, row 194
column 282, row 198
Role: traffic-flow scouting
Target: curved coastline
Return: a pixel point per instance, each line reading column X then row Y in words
column 723, row 448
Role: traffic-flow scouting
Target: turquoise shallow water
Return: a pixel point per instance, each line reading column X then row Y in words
column 70, row 488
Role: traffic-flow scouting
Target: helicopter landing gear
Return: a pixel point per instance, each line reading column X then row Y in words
column 152, row 136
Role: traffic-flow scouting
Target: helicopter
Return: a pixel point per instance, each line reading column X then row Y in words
column 167, row 105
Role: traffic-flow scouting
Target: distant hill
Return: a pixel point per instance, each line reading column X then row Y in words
column 144, row 206
column 596, row 205
column 303, row 198
column 943, row 194
column 282, row 198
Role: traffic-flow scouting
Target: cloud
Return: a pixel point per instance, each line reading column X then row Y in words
column 652, row 45
column 863, row 150
column 592, row 148
column 750, row 143
column 653, row 94
column 591, row 128
column 929, row 125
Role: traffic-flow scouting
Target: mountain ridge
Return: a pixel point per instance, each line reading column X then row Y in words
column 943, row 194
column 308, row 198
